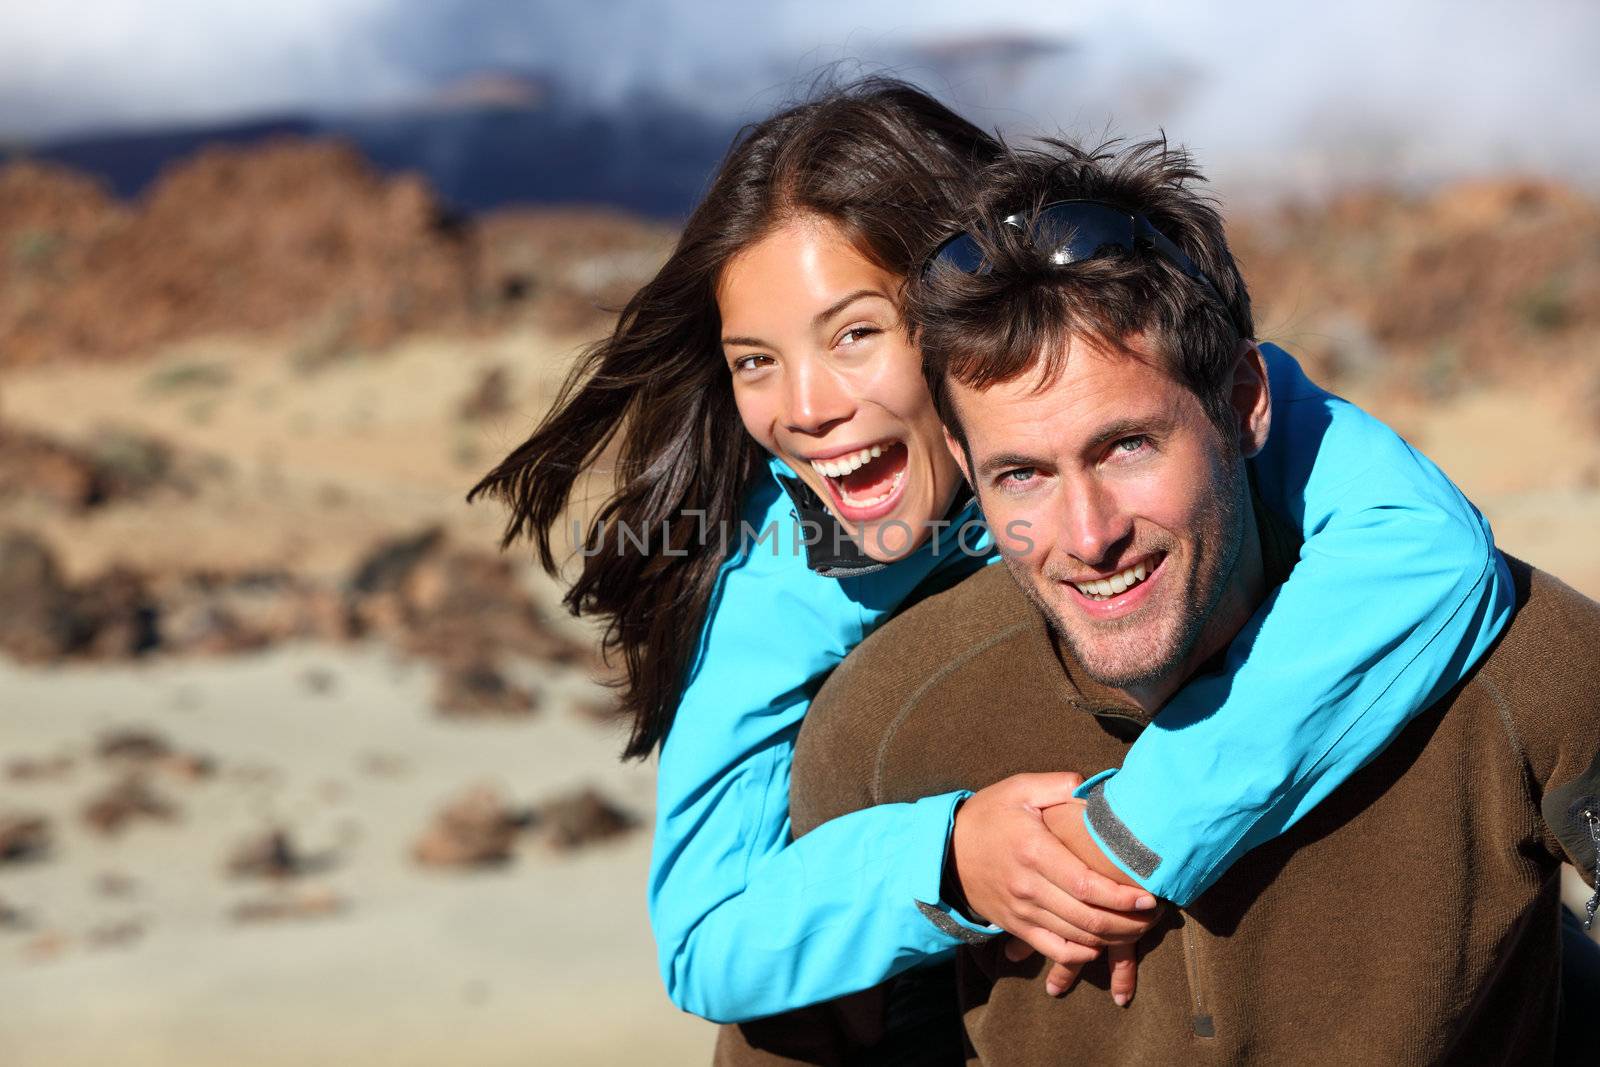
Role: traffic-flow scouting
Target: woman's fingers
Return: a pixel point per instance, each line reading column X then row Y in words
column 1051, row 946
column 1017, row 950
column 1069, row 873
column 1084, row 883
column 1103, row 926
column 1061, row 978
column 1044, row 790
column 1124, row 963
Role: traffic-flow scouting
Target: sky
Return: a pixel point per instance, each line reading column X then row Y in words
column 1281, row 90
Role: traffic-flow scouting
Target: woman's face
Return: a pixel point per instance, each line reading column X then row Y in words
column 826, row 378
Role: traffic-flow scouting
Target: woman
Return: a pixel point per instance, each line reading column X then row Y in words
column 764, row 377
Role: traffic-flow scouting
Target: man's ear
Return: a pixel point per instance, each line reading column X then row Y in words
column 957, row 453
column 1251, row 398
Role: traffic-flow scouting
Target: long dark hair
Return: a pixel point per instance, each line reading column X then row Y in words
column 880, row 159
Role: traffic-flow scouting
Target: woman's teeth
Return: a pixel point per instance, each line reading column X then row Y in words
column 839, row 466
column 1106, row 588
column 857, row 502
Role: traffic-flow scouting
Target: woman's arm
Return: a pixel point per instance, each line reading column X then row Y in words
column 1397, row 595
column 748, row 923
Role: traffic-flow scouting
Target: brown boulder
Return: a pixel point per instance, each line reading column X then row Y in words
column 477, row 829
column 23, row 837
column 580, row 818
column 129, row 799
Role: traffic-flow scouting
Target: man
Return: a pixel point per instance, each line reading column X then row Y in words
column 1102, row 399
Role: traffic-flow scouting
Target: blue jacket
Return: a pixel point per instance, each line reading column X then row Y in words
column 1398, row 593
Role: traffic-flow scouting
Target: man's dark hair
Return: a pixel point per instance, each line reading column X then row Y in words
column 985, row 328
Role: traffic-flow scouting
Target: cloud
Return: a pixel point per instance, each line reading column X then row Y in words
column 1261, row 89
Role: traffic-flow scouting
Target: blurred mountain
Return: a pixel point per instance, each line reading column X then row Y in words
column 292, row 236
column 481, row 141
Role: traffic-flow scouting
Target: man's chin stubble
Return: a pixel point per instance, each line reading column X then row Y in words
column 1153, row 667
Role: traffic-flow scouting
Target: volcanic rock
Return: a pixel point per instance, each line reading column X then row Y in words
column 129, row 799
column 268, row 855
column 477, row 829
column 580, row 818
column 23, row 837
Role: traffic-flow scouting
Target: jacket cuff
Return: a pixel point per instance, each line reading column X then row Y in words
column 1120, row 844
column 936, row 818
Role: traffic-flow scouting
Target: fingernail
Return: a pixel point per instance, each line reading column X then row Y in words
column 1121, row 999
column 1144, row 903
column 1053, row 988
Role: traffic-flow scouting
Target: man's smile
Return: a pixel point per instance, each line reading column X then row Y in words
column 1118, row 594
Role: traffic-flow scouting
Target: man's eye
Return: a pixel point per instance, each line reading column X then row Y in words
column 1131, row 445
column 1020, row 476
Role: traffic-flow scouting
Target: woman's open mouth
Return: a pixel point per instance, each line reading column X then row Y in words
column 866, row 484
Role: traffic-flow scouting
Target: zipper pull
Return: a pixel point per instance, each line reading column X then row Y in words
column 1594, row 835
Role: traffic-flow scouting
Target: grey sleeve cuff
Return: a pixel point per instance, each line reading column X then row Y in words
column 1115, row 835
column 965, row 934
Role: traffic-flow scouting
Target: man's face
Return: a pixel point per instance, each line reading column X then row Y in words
column 1136, row 509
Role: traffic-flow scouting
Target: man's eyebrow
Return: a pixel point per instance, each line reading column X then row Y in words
column 1007, row 461
column 821, row 317
column 1127, row 427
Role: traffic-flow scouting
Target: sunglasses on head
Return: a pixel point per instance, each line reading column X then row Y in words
column 1073, row 231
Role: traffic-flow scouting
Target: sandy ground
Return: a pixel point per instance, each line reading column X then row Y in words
column 545, row 961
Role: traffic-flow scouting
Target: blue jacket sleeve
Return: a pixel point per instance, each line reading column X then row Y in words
column 1397, row 594
column 748, row 923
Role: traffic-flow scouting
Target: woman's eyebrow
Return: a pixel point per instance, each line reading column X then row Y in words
column 843, row 302
column 821, row 317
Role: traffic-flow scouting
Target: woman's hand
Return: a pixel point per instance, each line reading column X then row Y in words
column 1065, row 820
column 1016, row 873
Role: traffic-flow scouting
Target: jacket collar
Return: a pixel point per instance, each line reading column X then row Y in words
column 835, row 553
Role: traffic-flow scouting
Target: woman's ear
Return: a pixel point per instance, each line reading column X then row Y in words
column 1251, row 397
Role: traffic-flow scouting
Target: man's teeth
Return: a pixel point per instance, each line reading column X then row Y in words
column 839, row 466
column 1105, row 588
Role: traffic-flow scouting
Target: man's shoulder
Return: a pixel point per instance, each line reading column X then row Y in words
column 941, row 630
column 1551, row 619
column 877, row 686
column 1550, row 652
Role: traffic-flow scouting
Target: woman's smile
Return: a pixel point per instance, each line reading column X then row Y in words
column 826, row 379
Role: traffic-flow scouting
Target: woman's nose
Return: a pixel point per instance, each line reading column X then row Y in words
column 817, row 400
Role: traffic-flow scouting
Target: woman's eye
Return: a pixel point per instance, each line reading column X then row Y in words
column 856, row 334
column 752, row 362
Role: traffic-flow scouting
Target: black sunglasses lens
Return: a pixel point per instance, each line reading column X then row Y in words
column 961, row 253
column 1078, row 231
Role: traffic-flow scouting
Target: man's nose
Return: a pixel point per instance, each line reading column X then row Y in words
column 817, row 400
column 1094, row 525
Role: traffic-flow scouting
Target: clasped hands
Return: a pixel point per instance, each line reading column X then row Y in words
column 1024, row 861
